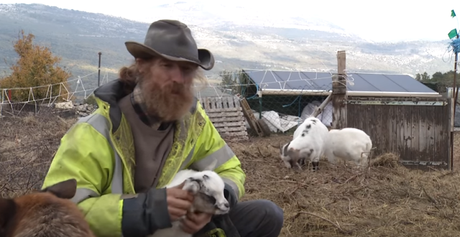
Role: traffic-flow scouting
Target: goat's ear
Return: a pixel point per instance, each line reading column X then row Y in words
column 64, row 189
column 285, row 148
column 7, row 211
column 211, row 166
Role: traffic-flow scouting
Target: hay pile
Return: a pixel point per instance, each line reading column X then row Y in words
column 385, row 200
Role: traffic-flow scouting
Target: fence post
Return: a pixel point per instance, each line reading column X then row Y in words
column 1, row 103
column 99, row 71
column 339, row 93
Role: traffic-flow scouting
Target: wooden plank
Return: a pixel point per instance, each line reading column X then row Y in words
column 227, row 116
column 222, row 110
column 229, row 124
column 407, row 132
column 415, row 141
column 233, row 133
column 423, row 132
column 394, row 118
column 231, row 129
column 226, row 119
column 443, row 115
column 218, row 102
column 370, row 125
column 223, row 114
column 207, row 104
column 431, row 149
column 379, row 133
column 236, row 101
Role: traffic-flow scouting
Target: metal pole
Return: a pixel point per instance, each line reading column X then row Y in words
column 99, row 71
column 455, row 90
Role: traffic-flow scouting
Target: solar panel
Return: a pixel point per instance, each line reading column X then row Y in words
column 300, row 80
column 322, row 80
column 409, row 83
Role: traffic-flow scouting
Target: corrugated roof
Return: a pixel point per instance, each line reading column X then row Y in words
column 300, row 80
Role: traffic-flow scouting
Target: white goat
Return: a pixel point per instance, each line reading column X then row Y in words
column 307, row 142
column 208, row 190
column 348, row 144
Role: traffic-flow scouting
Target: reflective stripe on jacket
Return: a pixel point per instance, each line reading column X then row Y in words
column 98, row 151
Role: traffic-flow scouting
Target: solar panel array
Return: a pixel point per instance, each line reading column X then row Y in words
column 300, row 80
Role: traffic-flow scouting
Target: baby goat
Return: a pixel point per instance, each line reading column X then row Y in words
column 208, row 190
column 348, row 144
column 308, row 142
column 44, row 213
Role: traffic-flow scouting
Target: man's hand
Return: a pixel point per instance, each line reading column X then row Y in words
column 195, row 221
column 179, row 201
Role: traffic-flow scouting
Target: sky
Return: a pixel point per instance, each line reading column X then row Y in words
column 390, row 20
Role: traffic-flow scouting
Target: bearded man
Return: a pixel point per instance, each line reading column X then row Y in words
column 147, row 127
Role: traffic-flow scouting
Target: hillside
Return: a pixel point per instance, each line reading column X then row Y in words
column 293, row 44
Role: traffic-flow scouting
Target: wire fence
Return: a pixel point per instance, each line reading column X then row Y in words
column 77, row 90
column 281, row 110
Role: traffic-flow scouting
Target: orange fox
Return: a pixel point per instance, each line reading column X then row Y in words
column 48, row 212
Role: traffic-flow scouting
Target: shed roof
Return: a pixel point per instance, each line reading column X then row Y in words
column 276, row 81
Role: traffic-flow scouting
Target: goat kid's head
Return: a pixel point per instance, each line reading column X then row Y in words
column 37, row 213
column 284, row 151
column 208, row 189
column 289, row 156
column 296, row 157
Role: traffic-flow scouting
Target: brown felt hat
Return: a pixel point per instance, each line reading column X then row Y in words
column 172, row 40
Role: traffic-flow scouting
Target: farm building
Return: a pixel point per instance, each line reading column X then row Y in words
column 296, row 93
column 399, row 113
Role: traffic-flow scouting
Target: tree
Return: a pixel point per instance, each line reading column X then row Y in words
column 228, row 83
column 236, row 82
column 36, row 66
column 422, row 77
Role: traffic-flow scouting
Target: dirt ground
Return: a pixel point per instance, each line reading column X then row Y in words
column 385, row 200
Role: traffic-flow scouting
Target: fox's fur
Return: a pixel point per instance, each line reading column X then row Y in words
column 44, row 213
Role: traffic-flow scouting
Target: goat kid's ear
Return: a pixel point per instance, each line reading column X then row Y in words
column 7, row 211
column 64, row 189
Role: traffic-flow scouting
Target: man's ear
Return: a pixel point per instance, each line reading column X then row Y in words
column 140, row 64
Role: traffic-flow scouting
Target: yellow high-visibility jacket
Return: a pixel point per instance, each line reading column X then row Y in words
column 98, row 151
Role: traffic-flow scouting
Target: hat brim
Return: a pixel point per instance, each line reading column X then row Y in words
column 138, row 50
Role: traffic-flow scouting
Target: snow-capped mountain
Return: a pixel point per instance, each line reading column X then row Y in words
column 254, row 39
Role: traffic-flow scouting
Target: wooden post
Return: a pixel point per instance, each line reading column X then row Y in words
column 339, row 93
column 1, row 103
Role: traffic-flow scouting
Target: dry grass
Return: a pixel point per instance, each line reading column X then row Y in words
column 26, row 146
column 385, row 200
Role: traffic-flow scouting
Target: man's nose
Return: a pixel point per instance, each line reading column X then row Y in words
column 177, row 75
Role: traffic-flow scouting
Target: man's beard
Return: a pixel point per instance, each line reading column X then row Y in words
column 168, row 103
